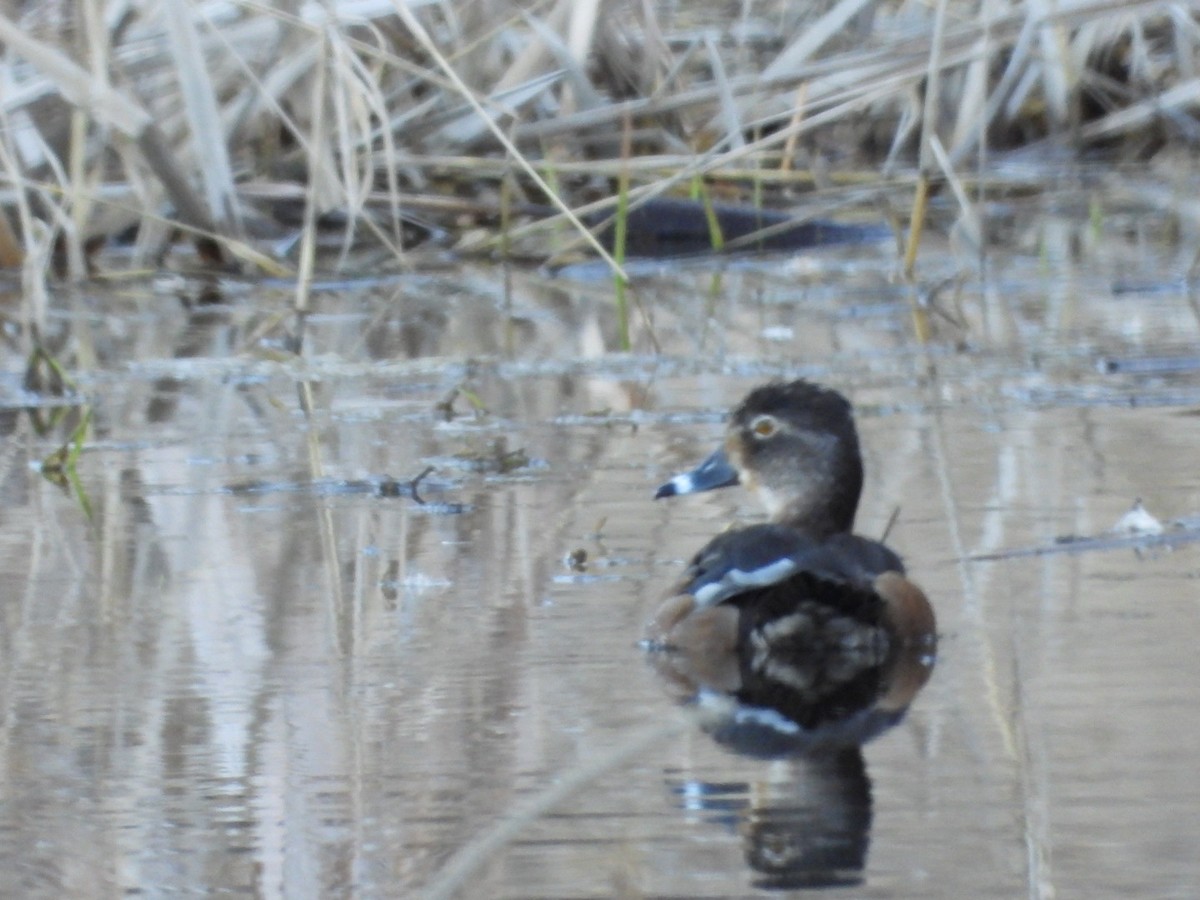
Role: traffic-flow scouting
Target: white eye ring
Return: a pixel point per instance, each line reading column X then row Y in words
column 764, row 426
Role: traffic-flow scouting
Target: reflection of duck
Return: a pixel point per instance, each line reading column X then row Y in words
column 807, row 824
column 796, row 633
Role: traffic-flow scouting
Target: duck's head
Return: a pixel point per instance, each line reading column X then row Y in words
column 795, row 446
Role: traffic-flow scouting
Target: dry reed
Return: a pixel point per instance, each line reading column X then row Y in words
column 240, row 124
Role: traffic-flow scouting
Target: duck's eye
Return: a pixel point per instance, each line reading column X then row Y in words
column 764, row 426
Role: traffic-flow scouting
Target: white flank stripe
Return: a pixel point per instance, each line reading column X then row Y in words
column 735, row 580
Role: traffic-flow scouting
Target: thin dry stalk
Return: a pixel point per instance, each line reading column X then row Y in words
column 973, row 98
column 32, row 254
column 920, row 205
column 730, row 116
column 969, row 216
column 307, row 264
column 789, row 145
column 204, row 118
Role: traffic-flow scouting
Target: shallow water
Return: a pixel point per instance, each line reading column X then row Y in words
column 254, row 672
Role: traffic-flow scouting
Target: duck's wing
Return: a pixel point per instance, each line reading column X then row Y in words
column 745, row 559
column 759, row 556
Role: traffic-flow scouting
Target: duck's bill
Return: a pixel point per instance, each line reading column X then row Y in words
column 714, row 472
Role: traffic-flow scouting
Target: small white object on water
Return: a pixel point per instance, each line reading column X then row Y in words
column 803, row 266
column 778, row 333
column 1138, row 521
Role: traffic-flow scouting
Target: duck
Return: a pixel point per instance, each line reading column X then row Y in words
column 797, row 615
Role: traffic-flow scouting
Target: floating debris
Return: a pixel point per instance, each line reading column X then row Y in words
column 1138, row 521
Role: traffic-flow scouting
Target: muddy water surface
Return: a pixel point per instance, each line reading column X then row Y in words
column 265, row 667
